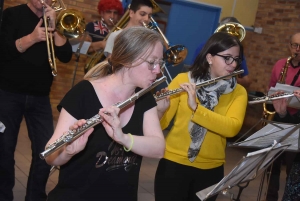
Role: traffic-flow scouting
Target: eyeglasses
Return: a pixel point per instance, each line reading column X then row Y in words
column 229, row 59
column 153, row 63
column 295, row 45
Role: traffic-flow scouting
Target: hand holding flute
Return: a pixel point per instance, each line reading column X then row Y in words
column 280, row 105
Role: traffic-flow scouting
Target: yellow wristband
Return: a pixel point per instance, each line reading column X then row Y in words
column 127, row 150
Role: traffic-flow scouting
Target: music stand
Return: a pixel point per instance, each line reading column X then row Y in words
column 283, row 133
column 245, row 171
column 79, row 47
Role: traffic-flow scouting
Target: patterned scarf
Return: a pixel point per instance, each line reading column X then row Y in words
column 209, row 97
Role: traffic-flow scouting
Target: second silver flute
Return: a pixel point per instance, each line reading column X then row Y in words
column 72, row 135
column 201, row 84
column 265, row 99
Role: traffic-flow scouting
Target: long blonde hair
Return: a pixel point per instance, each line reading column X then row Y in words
column 130, row 45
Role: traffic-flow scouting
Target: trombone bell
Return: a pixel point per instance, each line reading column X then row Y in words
column 70, row 23
column 175, row 54
column 156, row 7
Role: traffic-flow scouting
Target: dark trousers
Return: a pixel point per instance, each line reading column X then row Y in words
column 292, row 187
column 274, row 183
column 178, row 182
column 38, row 116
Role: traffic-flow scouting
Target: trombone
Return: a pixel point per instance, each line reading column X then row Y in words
column 70, row 23
column 49, row 41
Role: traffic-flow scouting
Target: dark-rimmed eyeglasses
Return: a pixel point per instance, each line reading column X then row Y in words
column 295, row 45
column 154, row 63
column 229, row 59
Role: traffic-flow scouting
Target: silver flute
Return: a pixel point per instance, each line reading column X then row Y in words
column 201, row 84
column 265, row 99
column 72, row 135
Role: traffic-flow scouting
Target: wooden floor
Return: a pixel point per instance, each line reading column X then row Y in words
column 146, row 184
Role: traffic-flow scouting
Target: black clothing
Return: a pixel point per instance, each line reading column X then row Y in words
column 176, row 182
column 28, row 72
column 25, row 81
column 103, row 170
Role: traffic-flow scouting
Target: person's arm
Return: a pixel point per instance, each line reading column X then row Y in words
column 96, row 46
column 110, row 43
column 229, row 125
column 275, row 73
column 280, row 106
column 65, row 123
column 152, row 144
column 172, row 104
column 12, row 46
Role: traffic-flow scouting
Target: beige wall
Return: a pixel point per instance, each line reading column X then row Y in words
column 243, row 10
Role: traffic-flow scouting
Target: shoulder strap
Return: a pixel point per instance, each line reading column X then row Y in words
column 295, row 78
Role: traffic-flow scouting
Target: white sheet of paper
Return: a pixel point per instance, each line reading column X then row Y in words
column 292, row 101
column 84, row 48
column 266, row 136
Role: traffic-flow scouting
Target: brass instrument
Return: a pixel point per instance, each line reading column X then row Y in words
column 72, row 135
column 282, row 77
column 50, row 46
column 96, row 57
column 267, row 114
column 99, row 55
column 70, row 23
column 234, row 29
column 174, row 55
column 201, row 84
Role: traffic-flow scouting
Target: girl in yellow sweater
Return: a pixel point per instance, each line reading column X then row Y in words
column 203, row 119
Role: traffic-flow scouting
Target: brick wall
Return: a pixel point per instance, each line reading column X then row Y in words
column 279, row 19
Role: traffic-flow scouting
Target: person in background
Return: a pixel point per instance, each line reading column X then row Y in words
column 104, row 163
column 195, row 147
column 292, row 186
column 25, row 82
column 242, row 79
column 110, row 12
column 291, row 78
column 140, row 12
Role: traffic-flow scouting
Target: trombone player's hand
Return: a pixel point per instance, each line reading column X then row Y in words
column 51, row 15
column 38, row 33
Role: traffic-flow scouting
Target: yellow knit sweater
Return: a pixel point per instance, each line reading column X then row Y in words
column 225, row 121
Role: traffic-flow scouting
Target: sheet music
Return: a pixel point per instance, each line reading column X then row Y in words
column 246, row 170
column 273, row 131
column 292, row 101
column 84, row 48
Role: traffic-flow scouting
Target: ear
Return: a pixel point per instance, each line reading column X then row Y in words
column 209, row 58
column 131, row 13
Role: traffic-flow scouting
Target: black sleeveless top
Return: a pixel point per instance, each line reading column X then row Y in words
column 103, row 170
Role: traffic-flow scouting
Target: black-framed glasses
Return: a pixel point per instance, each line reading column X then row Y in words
column 152, row 64
column 295, row 45
column 229, row 59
